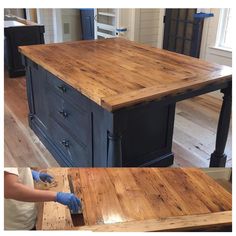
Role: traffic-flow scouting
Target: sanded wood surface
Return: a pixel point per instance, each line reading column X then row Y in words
column 179, row 223
column 146, row 197
column 116, row 73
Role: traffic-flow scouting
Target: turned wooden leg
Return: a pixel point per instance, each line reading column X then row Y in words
column 114, row 158
column 218, row 157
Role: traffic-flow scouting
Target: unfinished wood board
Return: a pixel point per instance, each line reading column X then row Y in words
column 113, row 197
column 123, row 73
column 52, row 215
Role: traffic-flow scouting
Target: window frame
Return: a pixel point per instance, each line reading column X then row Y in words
column 221, row 31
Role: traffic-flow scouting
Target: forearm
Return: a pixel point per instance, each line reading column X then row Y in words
column 24, row 193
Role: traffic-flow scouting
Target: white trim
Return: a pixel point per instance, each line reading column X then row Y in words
column 221, row 26
column 136, row 25
column 221, row 49
column 27, row 10
column 57, row 25
column 133, row 29
column 104, row 35
column 95, row 23
column 38, row 15
column 106, row 27
column 106, row 14
column 161, row 27
column 220, row 52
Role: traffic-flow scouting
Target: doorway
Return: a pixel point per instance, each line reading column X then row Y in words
column 182, row 31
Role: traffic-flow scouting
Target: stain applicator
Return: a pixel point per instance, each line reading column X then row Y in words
column 77, row 217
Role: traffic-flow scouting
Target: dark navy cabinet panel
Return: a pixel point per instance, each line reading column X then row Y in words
column 67, row 92
column 87, row 23
column 80, row 133
column 144, row 133
column 40, row 101
column 77, row 121
column 60, row 117
column 20, row 36
column 75, row 152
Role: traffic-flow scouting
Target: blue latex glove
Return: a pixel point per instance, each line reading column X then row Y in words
column 41, row 176
column 69, row 200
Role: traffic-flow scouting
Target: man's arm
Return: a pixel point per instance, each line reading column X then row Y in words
column 13, row 189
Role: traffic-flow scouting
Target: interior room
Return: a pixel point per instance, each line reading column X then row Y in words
column 196, row 119
column 98, row 100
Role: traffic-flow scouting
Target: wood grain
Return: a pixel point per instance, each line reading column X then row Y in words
column 182, row 223
column 55, row 216
column 116, row 73
column 142, row 198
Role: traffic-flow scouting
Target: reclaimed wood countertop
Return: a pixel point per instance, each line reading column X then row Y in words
column 117, row 73
column 139, row 199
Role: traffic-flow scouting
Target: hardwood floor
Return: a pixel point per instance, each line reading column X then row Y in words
column 194, row 133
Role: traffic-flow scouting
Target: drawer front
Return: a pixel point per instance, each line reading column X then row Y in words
column 76, row 120
column 76, row 153
column 67, row 92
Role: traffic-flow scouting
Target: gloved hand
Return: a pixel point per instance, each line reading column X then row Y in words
column 41, row 176
column 69, row 200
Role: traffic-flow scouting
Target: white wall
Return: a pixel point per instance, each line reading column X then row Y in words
column 149, row 26
column 45, row 17
column 126, row 18
column 144, row 25
column 70, row 18
column 60, row 24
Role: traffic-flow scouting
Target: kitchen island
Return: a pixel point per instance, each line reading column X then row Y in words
column 106, row 103
column 139, row 199
column 18, row 32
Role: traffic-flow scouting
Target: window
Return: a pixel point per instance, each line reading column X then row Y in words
column 225, row 30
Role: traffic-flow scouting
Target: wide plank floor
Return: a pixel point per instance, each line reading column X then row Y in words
column 194, row 133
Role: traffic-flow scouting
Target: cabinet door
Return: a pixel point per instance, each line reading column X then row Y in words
column 87, row 22
column 40, row 106
column 21, row 36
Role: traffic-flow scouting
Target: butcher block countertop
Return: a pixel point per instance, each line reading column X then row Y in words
column 139, row 199
column 117, row 73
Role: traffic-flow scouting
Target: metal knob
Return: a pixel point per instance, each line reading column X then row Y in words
column 63, row 113
column 65, row 143
column 62, row 88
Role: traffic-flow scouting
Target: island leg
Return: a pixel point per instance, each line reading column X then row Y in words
column 218, row 157
column 114, row 153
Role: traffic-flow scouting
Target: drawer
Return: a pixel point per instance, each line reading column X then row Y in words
column 76, row 120
column 67, row 92
column 76, row 153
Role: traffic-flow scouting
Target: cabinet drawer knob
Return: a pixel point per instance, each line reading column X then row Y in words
column 63, row 113
column 65, row 143
column 62, row 88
